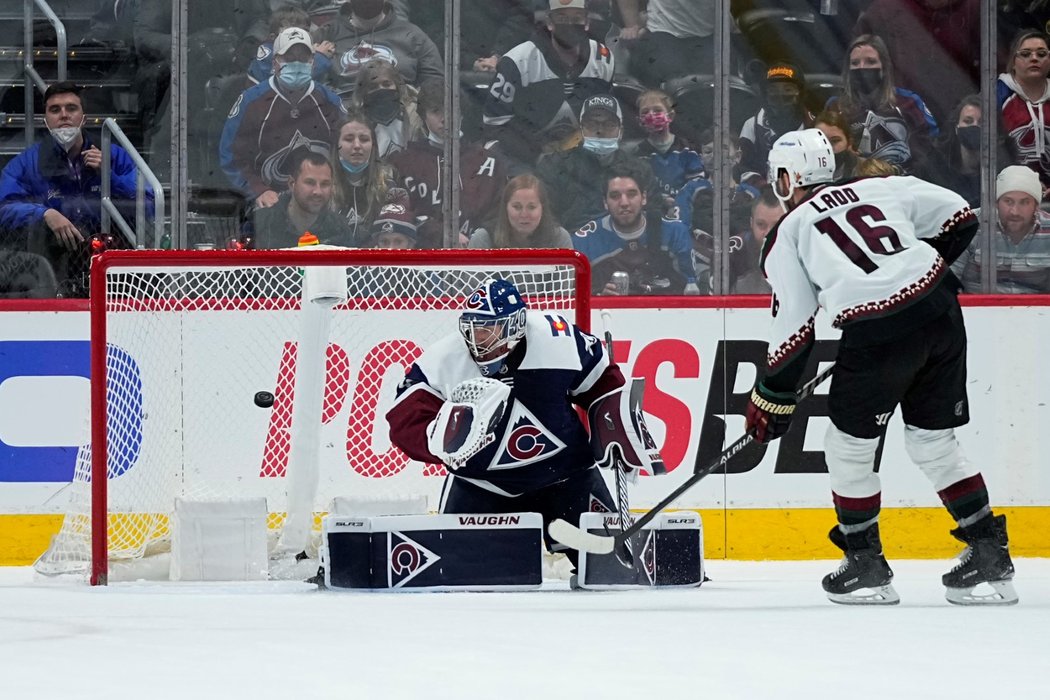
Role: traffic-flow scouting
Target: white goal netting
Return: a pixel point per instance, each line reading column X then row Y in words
column 188, row 341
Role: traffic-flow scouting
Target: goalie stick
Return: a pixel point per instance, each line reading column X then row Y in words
column 624, row 552
column 572, row 536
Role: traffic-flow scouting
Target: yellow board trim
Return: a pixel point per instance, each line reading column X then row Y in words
column 751, row 534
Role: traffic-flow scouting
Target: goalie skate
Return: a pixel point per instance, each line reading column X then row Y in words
column 864, row 576
column 985, row 571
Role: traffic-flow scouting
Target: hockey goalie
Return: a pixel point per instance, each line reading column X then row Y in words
column 496, row 403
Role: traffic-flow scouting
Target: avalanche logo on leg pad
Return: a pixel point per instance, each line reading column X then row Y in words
column 407, row 559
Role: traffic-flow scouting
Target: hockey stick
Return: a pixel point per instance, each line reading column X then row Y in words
column 624, row 552
column 581, row 540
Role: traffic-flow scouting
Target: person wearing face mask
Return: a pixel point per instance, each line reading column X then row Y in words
column 784, row 110
column 50, row 202
column 285, row 16
column 481, row 166
column 676, row 164
column 955, row 162
column 270, row 120
column 363, row 183
column 384, row 96
column 886, row 121
column 575, row 178
column 1022, row 238
column 540, row 85
column 370, row 29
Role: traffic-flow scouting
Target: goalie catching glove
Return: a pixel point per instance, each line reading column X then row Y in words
column 465, row 423
column 619, row 433
column 769, row 413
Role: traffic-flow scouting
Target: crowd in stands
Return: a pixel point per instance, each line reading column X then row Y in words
column 579, row 129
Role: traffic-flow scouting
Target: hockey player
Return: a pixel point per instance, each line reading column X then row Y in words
column 875, row 254
column 496, row 403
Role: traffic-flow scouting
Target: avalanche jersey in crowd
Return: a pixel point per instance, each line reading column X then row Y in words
column 897, row 134
column 1026, row 125
column 675, row 167
column 852, row 248
column 540, row 439
column 532, row 92
column 264, row 127
column 662, row 269
column 482, row 177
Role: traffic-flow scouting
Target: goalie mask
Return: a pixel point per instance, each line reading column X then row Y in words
column 807, row 158
column 492, row 323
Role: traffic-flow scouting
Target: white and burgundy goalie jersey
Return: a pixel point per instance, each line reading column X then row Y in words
column 540, row 439
column 855, row 249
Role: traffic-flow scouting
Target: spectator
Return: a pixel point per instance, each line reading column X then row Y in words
column 25, row 275
column 490, row 27
column 368, row 30
column 784, row 110
column 481, row 172
column 654, row 252
column 750, row 220
column 540, row 85
column 285, row 17
column 50, row 201
column 886, row 121
column 1024, row 98
column 675, row 163
column 395, row 227
column 385, row 98
column 304, row 207
column 362, row 181
column 956, row 160
column 676, row 39
column 837, row 129
column 523, row 220
column 1022, row 246
column 934, row 44
column 576, row 178
column 272, row 119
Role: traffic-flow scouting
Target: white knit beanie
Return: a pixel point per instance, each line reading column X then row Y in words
column 1018, row 178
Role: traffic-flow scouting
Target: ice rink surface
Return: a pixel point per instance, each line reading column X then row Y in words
column 757, row 630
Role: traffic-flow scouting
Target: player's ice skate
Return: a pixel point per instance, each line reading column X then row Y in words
column 864, row 576
column 984, row 573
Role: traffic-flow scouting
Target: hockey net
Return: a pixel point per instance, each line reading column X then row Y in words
column 183, row 342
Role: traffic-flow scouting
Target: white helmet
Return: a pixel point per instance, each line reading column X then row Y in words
column 807, row 157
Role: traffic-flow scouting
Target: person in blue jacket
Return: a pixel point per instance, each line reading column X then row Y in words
column 50, row 194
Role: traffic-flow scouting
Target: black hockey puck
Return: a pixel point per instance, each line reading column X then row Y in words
column 263, row 399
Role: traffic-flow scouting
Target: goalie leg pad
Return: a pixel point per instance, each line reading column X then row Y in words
column 617, row 424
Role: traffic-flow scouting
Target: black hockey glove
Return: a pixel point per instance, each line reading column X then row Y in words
column 769, row 413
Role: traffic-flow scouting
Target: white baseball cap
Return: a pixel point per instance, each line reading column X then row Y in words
column 568, row 4
column 289, row 38
column 1018, row 178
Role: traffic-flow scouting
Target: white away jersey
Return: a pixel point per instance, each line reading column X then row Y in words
column 854, row 249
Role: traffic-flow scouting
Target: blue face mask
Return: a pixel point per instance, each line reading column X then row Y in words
column 295, row 75
column 600, row 147
column 353, row 169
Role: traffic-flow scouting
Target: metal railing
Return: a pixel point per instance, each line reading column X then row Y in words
column 111, row 130
column 32, row 78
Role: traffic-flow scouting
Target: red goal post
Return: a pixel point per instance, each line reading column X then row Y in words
column 181, row 341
